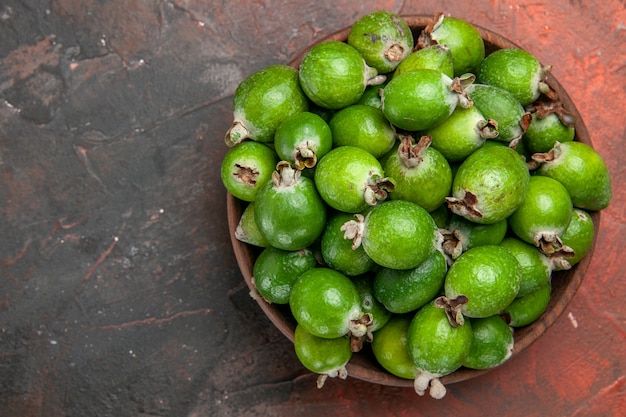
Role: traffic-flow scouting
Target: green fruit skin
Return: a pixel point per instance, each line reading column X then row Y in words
column 369, row 303
column 435, row 57
column 536, row 267
column 492, row 343
column 324, row 301
column 375, row 32
column 458, row 136
column 276, row 270
column 267, row 97
column 342, row 175
column 547, row 208
column 321, row 355
column 465, row 43
column 473, row 234
column 390, row 347
column 427, row 184
column 579, row 235
column 337, row 251
column 583, row 172
column 418, row 100
column 255, row 157
column 371, row 96
column 247, row 230
column 499, row 178
column 302, row 129
column 527, row 309
column 333, row 75
column 403, row 291
column 399, row 234
column 498, row 104
column 290, row 218
column 434, row 345
column 514, row 70
column 364, row 127
column 543, row 133
column 489, row 276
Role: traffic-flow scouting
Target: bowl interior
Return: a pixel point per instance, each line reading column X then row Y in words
column 363, row 366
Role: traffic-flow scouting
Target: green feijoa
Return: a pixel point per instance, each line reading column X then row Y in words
column 489, row 276
column 396, row 234
column 461, row 234
column 369, row 304
column 581, row 170
column 383, row 38
column 527, row 309
column 390, row 347
column 371, row 96
column 419, row 99
column 492, row 343
column 578, row 236
column 436, row 347
column 441, row 215
column 262, row 100
column 276, row 270
column 421, row 173
column 350, row 179
column 327, row 357
column 543, row 216
column 489, row 185
column 406, row 290
column 288, row 210
column 247, row 230
column 364, row 127
column 435, row 57
column 302, row 139
column 462, row 133
column 500, row 107
column 334, row 75
column 516, row 71
column 337, row 251
column 246, row 168
column 461, row 37
column 327, row 304
column 550, row 123
column 536, row 267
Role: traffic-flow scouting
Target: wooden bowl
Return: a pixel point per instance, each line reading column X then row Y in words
column 363, row 365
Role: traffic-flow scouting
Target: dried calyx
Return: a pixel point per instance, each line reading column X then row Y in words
column 285, row 175
column 452, row 307
column 409, row 152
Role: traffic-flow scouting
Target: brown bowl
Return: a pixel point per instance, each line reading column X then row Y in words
column 363, row 365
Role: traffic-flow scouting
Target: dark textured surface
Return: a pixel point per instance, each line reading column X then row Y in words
column 119, row 292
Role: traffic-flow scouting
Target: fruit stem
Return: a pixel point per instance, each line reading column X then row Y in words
column 236, row 134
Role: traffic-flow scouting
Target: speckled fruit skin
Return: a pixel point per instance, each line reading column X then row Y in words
column 324, row 301
column 276, row 270
column 459, row 135
column 492, row 343
column 525, row 310
column 300, row 133
column 583, row 172
column 489, row 276
column 290, row 218
column 536, row 267
column 321, row 355
column 578, row 235
column 375, row 33
column 399, row 234
column 466, row 45
column 362, row 126
column 435, row 57
column 418, row 100
column 403, row 291
column 343, row 175
column 434, row 345
column 337, row 251
column 246, row 168
column 546, row 210
column 514, row 70
column 498, row 177
column 390, row 347
column 333, row 75
column 266, row 98
column 542, row 133
column 369, row 303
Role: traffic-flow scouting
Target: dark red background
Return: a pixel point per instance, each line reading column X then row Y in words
column 119, row 292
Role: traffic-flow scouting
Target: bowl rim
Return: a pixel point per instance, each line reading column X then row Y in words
column 359, row 366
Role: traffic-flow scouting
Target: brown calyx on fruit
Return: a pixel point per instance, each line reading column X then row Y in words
column 377, row 189
column 394, row 52
column 452, row 245
column 551, row 245
column 465, row 206
column 246, row 174
column 360, row 331
column 304, row 156
column 409, row 152
column 236, row 134
column 425, row 39
column 353, row 230
column 539, row 158
column 452, row 307
column 285, row 175
column 544, row 108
